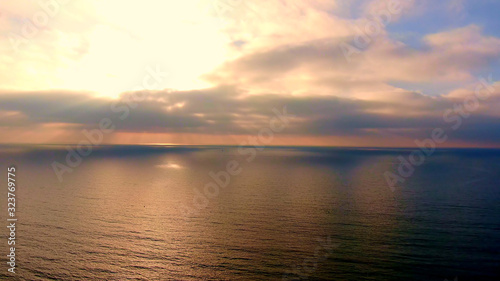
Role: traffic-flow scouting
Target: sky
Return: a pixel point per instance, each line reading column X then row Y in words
column 372, row 73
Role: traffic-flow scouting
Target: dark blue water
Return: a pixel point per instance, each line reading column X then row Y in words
column 142, row 213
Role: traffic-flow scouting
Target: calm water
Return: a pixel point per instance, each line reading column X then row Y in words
column 292, row 213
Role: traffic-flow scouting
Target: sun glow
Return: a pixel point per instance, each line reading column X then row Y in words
column 112, row 55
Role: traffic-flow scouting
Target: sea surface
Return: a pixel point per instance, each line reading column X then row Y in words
column 286, row 213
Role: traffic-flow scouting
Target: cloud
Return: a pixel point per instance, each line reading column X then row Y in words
column 228, row 110
column 262, row 55
column 319, row 66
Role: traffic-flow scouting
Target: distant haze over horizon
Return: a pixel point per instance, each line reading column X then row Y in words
column 273, row 146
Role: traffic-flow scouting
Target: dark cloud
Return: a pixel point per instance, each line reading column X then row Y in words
column 228, row 110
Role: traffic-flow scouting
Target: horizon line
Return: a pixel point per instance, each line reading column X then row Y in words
column 235, row 145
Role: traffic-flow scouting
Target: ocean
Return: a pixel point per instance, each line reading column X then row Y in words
column 266, row 213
